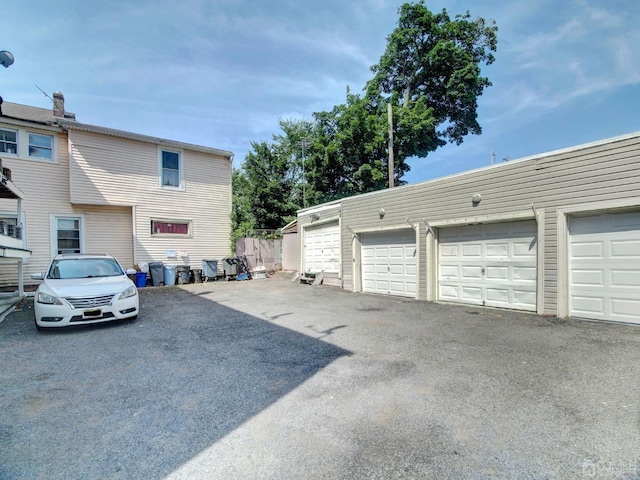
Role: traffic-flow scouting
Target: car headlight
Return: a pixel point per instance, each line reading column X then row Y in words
column 48, row 299
column 129, row 292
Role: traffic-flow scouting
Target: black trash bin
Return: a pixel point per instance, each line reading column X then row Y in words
column 157, row 273
column 182, row 272
column 196, row 275
column 230, row 267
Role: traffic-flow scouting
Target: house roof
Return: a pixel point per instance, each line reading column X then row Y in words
column 9, row 190
column 45, row 116
column 85, row 127
column 291, row 227
column 28, row 114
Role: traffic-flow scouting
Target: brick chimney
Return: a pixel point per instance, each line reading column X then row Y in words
column 58, row 105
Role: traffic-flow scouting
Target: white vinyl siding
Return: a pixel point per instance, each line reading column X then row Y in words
column 490, row 264
column 102, row 173
column 598, row 173
column 604, row 267
column 113, row 183
column 389, row 263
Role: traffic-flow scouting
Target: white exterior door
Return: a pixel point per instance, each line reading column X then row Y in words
column 604, row 267
column 389, row 263
column 322, row 248
column 491, row 264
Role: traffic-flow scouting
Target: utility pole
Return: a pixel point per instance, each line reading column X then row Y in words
column 390, row 118
column 305, row 142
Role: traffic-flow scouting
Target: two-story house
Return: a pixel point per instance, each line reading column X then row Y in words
column 91, row 189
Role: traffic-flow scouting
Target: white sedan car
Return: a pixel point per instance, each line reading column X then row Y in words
column 80, row 289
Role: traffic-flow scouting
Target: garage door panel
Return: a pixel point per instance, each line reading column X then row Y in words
column 625, row 308
column 496, row 264
column 588, row 277
column 472, row 294
column 449, row 251
column 397, row 269
column 523, row 250
column 625, row 279
column 497, row 273
column 588, row 250
column 498, row 295
column 322, row 248
column 449, row 272
column 524, row 273
column 604, row 266
column 392, row 268
column 524, row 298
column 471, row 273
column 471, row 251
column 588, row 305
column 625, row 248
column 500, row 250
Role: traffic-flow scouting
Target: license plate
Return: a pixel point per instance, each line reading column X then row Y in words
column 95, row 313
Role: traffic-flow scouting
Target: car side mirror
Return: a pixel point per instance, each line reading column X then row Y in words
column 37, row 276
column 131, row 271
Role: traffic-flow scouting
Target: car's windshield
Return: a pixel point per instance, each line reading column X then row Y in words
column 84, row 268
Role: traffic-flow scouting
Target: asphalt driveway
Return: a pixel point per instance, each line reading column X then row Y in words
column 271, row 379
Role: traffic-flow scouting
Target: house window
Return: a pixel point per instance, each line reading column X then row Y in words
column 40, row 146
column 25, row 144
column 67, row 235
column 171, row 227
column 170, row 169
column 9, row 141
column 9, row 227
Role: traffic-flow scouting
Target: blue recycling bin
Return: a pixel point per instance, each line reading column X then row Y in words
column 169, row 275
column 141, row 279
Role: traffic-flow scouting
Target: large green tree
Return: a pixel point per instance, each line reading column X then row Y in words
column 430, row 72
column 430, row 75
column 242, row 219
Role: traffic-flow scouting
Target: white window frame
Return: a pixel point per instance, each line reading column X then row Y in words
column 53, row 225
column 17, row 132
column 180, row 154
column 42, row 159
column 165, row 220
column 23, row 144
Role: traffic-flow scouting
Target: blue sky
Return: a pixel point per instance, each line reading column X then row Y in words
column 222, row 72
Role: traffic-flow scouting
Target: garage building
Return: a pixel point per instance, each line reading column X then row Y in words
column 556, row 233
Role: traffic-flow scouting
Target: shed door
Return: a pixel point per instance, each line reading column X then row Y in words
column 604, row 267
column 322, row 248
column 389, row 262
column 491, row 264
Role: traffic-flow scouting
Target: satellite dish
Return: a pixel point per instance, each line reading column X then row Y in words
column 6, row 58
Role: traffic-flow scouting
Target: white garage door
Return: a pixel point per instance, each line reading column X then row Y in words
column 322, row 248
column 604, row 272
column 389, row 263
column 491, row 264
